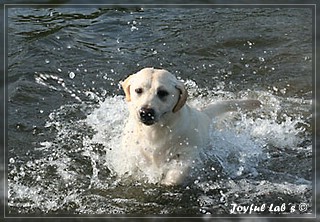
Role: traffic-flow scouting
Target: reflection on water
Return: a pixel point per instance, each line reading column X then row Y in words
column 66, row 111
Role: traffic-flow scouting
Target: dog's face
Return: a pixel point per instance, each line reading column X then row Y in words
column 154, row 94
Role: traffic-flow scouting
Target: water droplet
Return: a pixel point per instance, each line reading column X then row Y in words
column 133, row 28
column 72, row 75
column 283, row 91
column 11, row 160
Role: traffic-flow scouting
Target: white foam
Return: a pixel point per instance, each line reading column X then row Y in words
column 237, row 152
column 108, row 121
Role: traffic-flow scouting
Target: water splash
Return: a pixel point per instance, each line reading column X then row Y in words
column 76, row 171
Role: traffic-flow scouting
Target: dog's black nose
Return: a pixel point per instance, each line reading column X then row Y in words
column 147, row 116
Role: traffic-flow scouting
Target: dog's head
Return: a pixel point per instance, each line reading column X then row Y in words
column 153, row 94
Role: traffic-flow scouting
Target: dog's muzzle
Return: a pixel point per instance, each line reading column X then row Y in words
column 147, row 116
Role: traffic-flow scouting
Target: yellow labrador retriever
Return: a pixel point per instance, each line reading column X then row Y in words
column 163, row 135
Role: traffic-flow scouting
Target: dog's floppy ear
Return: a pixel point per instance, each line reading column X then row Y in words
column 126, row 87
column 182, row 97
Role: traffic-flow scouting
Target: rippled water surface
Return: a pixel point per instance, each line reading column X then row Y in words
column 66, row 110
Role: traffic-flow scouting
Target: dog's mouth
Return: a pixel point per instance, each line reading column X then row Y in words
column 148, row 122
column 151, row 120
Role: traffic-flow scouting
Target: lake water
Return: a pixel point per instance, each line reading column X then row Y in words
column 66, row 110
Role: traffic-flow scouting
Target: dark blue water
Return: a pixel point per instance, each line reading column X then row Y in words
column 66, row 110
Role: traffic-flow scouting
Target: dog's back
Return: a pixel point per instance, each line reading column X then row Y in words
column 221, row 107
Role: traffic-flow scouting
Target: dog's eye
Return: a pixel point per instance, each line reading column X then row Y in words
column 162, row 94
column 139, row 90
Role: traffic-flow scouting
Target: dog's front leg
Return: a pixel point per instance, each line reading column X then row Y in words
column 174, row 176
